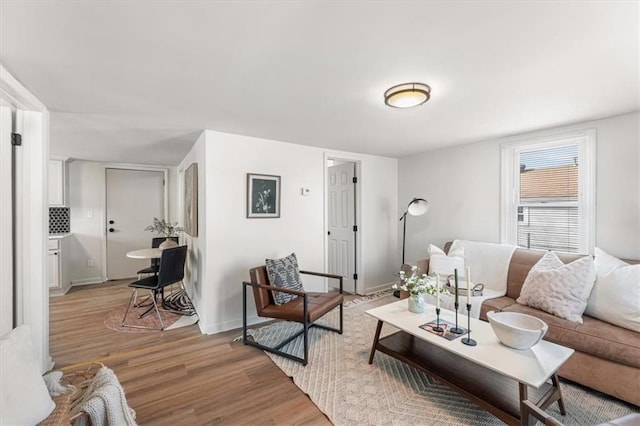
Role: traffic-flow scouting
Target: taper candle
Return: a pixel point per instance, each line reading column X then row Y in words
column 468, row 285
column 455, row 273
column 438, row 293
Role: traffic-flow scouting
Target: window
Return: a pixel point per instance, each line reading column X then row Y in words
column 548, row 193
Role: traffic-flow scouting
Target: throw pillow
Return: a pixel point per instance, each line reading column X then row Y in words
column 444, row 265
column 616, row 294
column 559, row 289
column 284, row 273
column 24, row 399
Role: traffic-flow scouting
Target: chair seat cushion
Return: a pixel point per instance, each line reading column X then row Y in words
column 318, row 304
column 148, row 283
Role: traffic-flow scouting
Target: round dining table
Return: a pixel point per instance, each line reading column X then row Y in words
column 146, row 253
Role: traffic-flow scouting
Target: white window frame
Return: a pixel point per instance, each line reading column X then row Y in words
column 510, row 183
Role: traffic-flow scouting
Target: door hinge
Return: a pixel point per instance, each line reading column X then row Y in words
column 355, row 228
column 355, row 179
column 16, row 139
column 355, row 276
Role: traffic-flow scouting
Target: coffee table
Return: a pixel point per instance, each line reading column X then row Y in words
column 492, row 375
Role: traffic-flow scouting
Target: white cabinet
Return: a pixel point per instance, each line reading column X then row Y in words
column 54, row 269
column 57, row 182
column 58, row 277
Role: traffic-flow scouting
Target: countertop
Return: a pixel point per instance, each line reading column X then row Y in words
column 59, row 236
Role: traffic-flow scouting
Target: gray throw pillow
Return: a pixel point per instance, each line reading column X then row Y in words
column 284, row 273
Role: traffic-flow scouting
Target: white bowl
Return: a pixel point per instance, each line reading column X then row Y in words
column 518, row 331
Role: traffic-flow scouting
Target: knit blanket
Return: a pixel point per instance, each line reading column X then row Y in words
column 104, row 402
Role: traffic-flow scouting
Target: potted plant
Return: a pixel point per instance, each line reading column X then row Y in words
column 417, row 285
column 168, row 229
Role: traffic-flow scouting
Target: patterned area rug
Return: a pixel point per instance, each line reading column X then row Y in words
column 339, row 380
column 113, row 320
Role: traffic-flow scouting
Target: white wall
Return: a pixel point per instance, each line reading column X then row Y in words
column 87, row 197
column 196, row 268
column 463, row 186
column 234, row 243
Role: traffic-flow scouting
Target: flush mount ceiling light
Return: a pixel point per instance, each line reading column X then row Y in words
column 407, row 95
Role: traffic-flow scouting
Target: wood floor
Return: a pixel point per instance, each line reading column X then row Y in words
column 176, row 377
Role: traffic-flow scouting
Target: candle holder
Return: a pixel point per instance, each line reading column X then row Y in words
column 437, row 328
column 468, row 340
column 455, row 329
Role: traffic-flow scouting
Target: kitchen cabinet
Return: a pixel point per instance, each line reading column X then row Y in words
column 57, row 182
column 54, row 269
column 58, row 268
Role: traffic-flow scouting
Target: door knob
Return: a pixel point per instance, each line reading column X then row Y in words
column 328, row 232
column 111, row 222
column 112, row 230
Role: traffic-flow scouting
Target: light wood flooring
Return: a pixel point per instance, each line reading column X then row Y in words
column 175, row 377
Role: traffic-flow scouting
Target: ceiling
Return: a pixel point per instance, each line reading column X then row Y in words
column 138, row 81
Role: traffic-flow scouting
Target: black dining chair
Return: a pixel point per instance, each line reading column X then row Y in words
column 155, row 263
column 171, row 271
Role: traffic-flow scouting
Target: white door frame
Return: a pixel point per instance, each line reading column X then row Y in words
column 358, row 195
column 31, row 271
column 103, row 218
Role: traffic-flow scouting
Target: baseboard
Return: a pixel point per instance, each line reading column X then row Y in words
column 87, row 281
column 229, row 325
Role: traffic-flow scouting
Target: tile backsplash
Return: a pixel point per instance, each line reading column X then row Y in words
column 59, row 221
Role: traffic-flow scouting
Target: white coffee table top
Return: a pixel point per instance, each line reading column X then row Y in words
column 532, row 367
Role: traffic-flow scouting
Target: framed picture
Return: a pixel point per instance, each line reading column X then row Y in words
column 263, row 196
column 191, row 200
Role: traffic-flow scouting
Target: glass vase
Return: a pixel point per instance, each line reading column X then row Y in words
column 416, row 304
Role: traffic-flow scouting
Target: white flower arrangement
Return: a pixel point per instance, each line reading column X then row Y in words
column 417, row 284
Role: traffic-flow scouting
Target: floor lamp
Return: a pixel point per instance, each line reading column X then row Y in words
column 417, row 207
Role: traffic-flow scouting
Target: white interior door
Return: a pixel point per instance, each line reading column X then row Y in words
column 134, row 198
column 6, row 222
column 342, row 236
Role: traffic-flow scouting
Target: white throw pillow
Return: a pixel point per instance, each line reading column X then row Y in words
column 444, row 265
column 24, row 399
column 616, row 295
column 559, row 289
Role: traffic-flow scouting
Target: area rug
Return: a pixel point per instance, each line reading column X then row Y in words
column 113, row 320
column 349, row 391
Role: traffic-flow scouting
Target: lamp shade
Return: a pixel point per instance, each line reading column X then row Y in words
column 407, row 95
column 418, row 207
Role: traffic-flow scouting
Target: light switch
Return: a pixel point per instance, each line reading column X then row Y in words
column 90, row 214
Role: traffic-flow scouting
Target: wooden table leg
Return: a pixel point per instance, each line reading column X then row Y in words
column 525, row 418
column 556, row 384
column 375, row 341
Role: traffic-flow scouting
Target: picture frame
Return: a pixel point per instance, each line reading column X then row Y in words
column 263, row 196
column 191, row 200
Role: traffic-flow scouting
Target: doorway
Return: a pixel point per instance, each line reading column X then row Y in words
column 342, row 225
column 133, row 199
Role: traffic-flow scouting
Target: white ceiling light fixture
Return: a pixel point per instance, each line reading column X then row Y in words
column 407, row 95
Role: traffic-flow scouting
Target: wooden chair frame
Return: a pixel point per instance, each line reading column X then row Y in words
column 305, row 319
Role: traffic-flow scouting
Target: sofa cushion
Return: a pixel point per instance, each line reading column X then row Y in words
column 445, row 264
column 616, row 294
column 593, row 336
column 24, row 398
column 521, row 263
column 497, row 304
column 557, row 288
